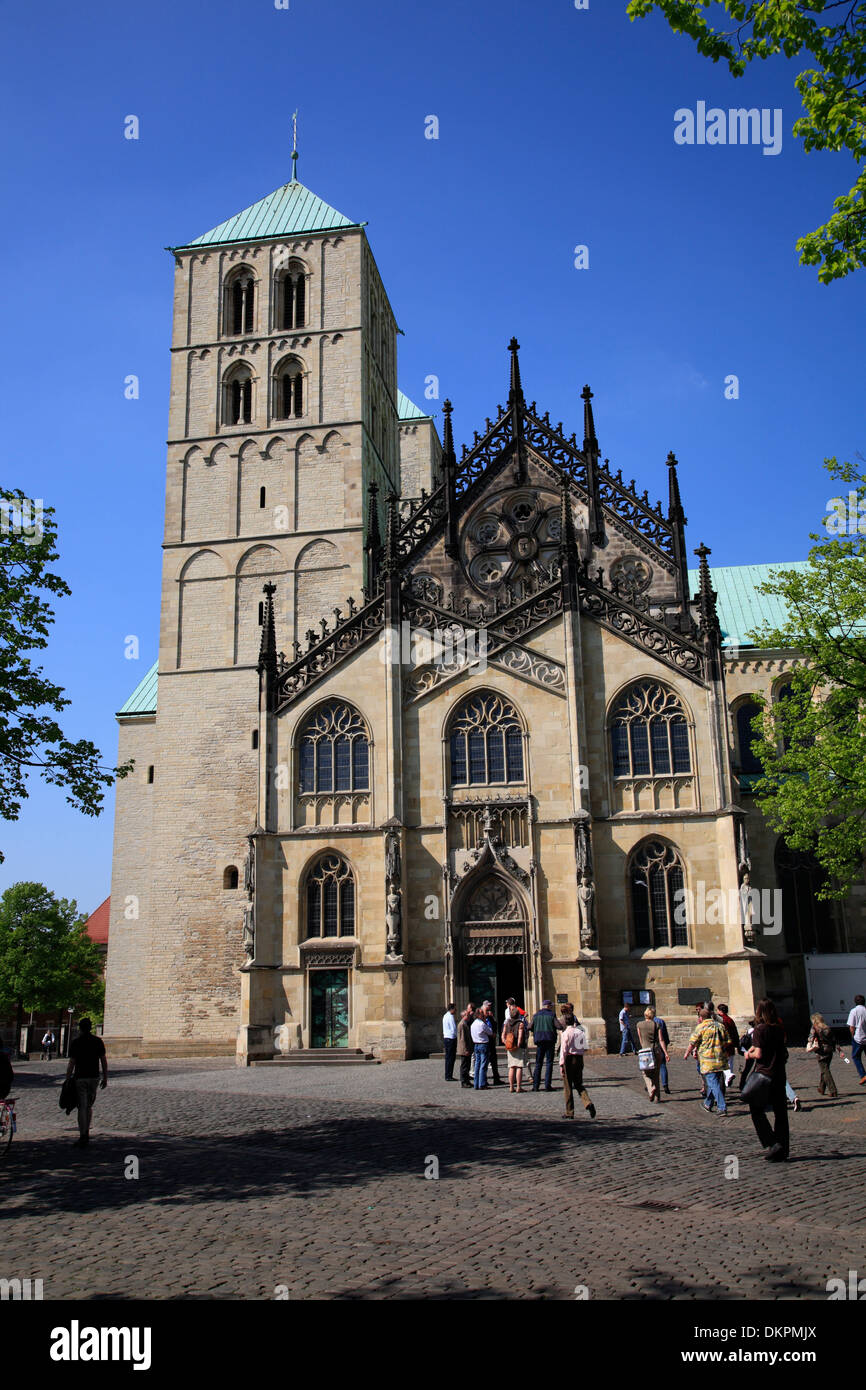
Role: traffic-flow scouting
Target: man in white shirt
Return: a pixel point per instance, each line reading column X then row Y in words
column 449, row 1038
column 627, row 1042
column 857, row 1029
column 481, row 1035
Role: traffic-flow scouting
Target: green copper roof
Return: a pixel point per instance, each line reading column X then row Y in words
column 143, row 698
column 288, row 211
column 741, row 609
column 408, row 410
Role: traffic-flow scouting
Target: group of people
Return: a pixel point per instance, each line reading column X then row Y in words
column 473, row 1039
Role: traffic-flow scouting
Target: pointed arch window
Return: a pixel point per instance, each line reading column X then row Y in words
column 289, row 390
column 330, row 897
column 649, row 734
column 334, row 751
column 291, row 296
column 749, row 763
column 657, row 897
column 239, row 314
column 486, row 743
column 238, row 396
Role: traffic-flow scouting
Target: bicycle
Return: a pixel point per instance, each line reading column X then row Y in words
column 8, row 1124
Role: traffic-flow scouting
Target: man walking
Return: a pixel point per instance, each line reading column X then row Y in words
column 465, row 1044
column 627, row 1042
column 86, row 1056
column 574, row 1045
column 857, row 1029
column 709, row 1043
column 734, row 1036
column 481, row 1035
column 543, row 1028
column 47, row 1045
column 449, row 1039
column 664, row 1039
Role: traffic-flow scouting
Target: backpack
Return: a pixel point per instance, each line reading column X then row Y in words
column 512, row 1032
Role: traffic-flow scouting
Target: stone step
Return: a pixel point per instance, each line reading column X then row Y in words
column 320, row 1057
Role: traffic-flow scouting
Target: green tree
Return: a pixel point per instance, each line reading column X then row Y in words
column 30, row 736
column 47, row 960
column 832, row 90
column 812, row 743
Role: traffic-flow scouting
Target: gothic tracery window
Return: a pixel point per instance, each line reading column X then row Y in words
column 330, row 897
column 486, row 742
column 658, row 906
column 334, row 750
column 648, row 733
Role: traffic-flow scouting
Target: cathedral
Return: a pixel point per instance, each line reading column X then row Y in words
column 427, row 723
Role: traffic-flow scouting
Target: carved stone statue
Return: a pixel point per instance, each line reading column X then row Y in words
column 393, row 867
column 747, row 908
column 250, row 868
column 392, row 920
column 586, row 908
column 249, row 937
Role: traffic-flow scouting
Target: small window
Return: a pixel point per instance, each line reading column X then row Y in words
column 261, row 614
column 150, row 775
column 255, row 738
column 230, row 877
column 239, row 316
column 238, row 396
column 292, row 297
column 262, row 495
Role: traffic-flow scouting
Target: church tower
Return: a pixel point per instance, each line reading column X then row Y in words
column 284, row 419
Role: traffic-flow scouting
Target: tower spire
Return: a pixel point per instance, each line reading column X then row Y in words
column 268, row 648
column 706, row 592
column 449, row 468
column 515, row 394
column 590, row 453
column 295, row 147
column 677, row 520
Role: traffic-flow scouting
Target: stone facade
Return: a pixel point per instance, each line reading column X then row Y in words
column 314, row 861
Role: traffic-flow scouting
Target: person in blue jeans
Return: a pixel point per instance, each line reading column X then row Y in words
column 481, row 1035
column 663, row 1066
column 627, row 1043
column 543, row 1028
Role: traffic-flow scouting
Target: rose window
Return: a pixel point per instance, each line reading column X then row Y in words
column 514, row 537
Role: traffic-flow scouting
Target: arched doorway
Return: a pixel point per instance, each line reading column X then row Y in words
column 491, row 945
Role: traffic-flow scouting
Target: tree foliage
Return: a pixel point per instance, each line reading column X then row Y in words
column 812, row 743
column 31, row 738
column 833, row 93
column 47, row 960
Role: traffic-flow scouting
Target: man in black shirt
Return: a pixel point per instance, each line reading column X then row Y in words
column 86, row 1056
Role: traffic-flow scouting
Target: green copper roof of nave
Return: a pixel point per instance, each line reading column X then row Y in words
column 740, row 610
column 740, row 607
column 408, row 410
column 288, row 211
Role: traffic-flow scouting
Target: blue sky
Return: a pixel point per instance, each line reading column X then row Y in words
column 555, row 130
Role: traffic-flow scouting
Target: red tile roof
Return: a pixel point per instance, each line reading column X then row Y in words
column 97, row 924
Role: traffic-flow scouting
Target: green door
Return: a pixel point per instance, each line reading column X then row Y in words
column 329, row 1008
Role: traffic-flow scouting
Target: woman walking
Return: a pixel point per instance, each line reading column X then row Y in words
column 823, row 1047
column 766, row 1089
column 650, row 1040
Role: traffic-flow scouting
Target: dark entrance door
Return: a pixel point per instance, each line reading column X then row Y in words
column 496, row 978
column 329, row 1008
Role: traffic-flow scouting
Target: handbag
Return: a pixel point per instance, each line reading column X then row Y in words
column 812, row 1045
column 646, row 1058
column 757, row 1090
column 68, row 1095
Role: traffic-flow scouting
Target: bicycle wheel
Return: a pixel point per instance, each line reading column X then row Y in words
column 6, row 1129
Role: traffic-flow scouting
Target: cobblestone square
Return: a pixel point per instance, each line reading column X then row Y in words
column 309, row 1183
